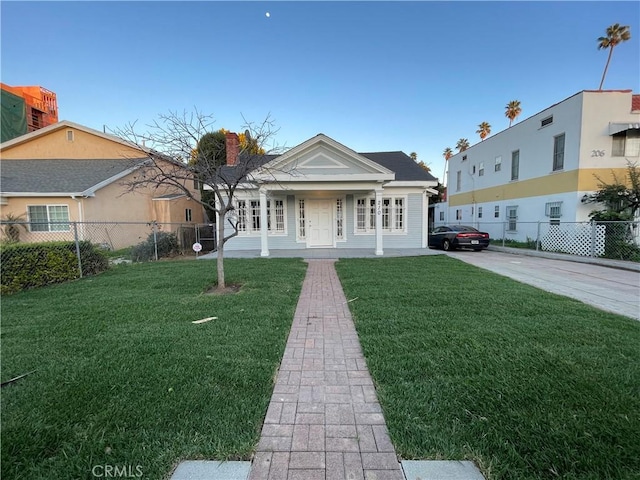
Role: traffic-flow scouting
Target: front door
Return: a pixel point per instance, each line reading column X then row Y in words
column 320, row 223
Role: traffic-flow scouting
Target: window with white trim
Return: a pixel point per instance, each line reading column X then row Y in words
column 279, row 214
column 399, row 213
column 626, row 144
column 255, row 215
column 496, row 212
column 372, row 213
column 241, row 209
column 48, row 218
column 442, row 216
column 392, row 211
column 458, row 180
column 553, row 210
column 361, row 214
column 302, row 234
column 458, row 214
column 498, row 164
column 386, row 213
column 479, row 212
column 481, row 169
column 187, row 215
column 249, row 219
column 512, row 218
column 339, row 219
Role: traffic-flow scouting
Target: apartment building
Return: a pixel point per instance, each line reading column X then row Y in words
column 539, row 169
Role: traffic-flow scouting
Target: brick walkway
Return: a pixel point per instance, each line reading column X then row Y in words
column 324, row 420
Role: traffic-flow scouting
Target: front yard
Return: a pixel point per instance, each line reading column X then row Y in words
column 468, row 365
column 472, row 365
column 123, row 378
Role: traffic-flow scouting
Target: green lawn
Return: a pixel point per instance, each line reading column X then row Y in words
column 471, row 365
column 124, row 378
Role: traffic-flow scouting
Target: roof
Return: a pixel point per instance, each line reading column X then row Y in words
column 398, row 162
column 402, row 165
column 62, row 176
column 635, row 103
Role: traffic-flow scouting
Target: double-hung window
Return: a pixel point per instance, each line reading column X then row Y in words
column 48, row 218
column 392, row 214
column 248, row 216
column 512, row 219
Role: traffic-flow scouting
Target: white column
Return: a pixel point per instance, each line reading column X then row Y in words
column 264, row 225
column 379, row 250
column 425, row 219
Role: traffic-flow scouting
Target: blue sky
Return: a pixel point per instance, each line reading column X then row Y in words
column 375, row 76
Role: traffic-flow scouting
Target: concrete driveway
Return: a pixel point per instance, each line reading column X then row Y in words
column 612, row 289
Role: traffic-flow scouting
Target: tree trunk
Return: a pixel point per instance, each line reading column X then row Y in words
column 220, row 249
column 604, row 74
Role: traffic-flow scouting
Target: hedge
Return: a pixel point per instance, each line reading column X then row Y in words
column 31, row 265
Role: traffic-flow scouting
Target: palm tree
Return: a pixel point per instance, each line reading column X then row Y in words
column 512, row 110
column 447, row 154
column 484, row 129
column 615, row 34
column 462, row 144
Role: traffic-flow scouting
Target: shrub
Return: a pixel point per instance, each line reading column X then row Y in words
column 145, row 251
column 31, row 265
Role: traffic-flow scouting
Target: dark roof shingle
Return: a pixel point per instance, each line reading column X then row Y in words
column 59, row 176
column 401, row 164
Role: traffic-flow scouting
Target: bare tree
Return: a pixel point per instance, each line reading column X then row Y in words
column 174, row 162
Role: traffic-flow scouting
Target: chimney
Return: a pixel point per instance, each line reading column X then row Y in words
column 232, row 145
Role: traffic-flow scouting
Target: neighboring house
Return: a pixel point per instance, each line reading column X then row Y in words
column 70, row 173
column 540, row 169
column 321, row 194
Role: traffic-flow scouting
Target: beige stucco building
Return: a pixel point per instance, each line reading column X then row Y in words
column 67, row 173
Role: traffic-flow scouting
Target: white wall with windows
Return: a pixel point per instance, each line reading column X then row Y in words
column 403, row 214
column 541, row 163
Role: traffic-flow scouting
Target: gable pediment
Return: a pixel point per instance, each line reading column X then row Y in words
column 323, row 159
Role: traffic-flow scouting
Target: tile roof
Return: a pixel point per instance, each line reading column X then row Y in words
column 59, row 176
column 635, row 103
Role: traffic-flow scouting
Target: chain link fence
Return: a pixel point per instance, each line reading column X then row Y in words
column 614, row 240
column 35, row 254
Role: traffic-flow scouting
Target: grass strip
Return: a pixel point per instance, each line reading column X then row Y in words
column 124, row 378
column 472, row 365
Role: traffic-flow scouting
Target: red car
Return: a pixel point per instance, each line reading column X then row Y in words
column 450, row 237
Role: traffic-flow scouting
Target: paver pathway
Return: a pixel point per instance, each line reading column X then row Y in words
column 324, row 420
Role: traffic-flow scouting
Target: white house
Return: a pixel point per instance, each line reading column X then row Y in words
column 539, row 169
column 322, row 194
